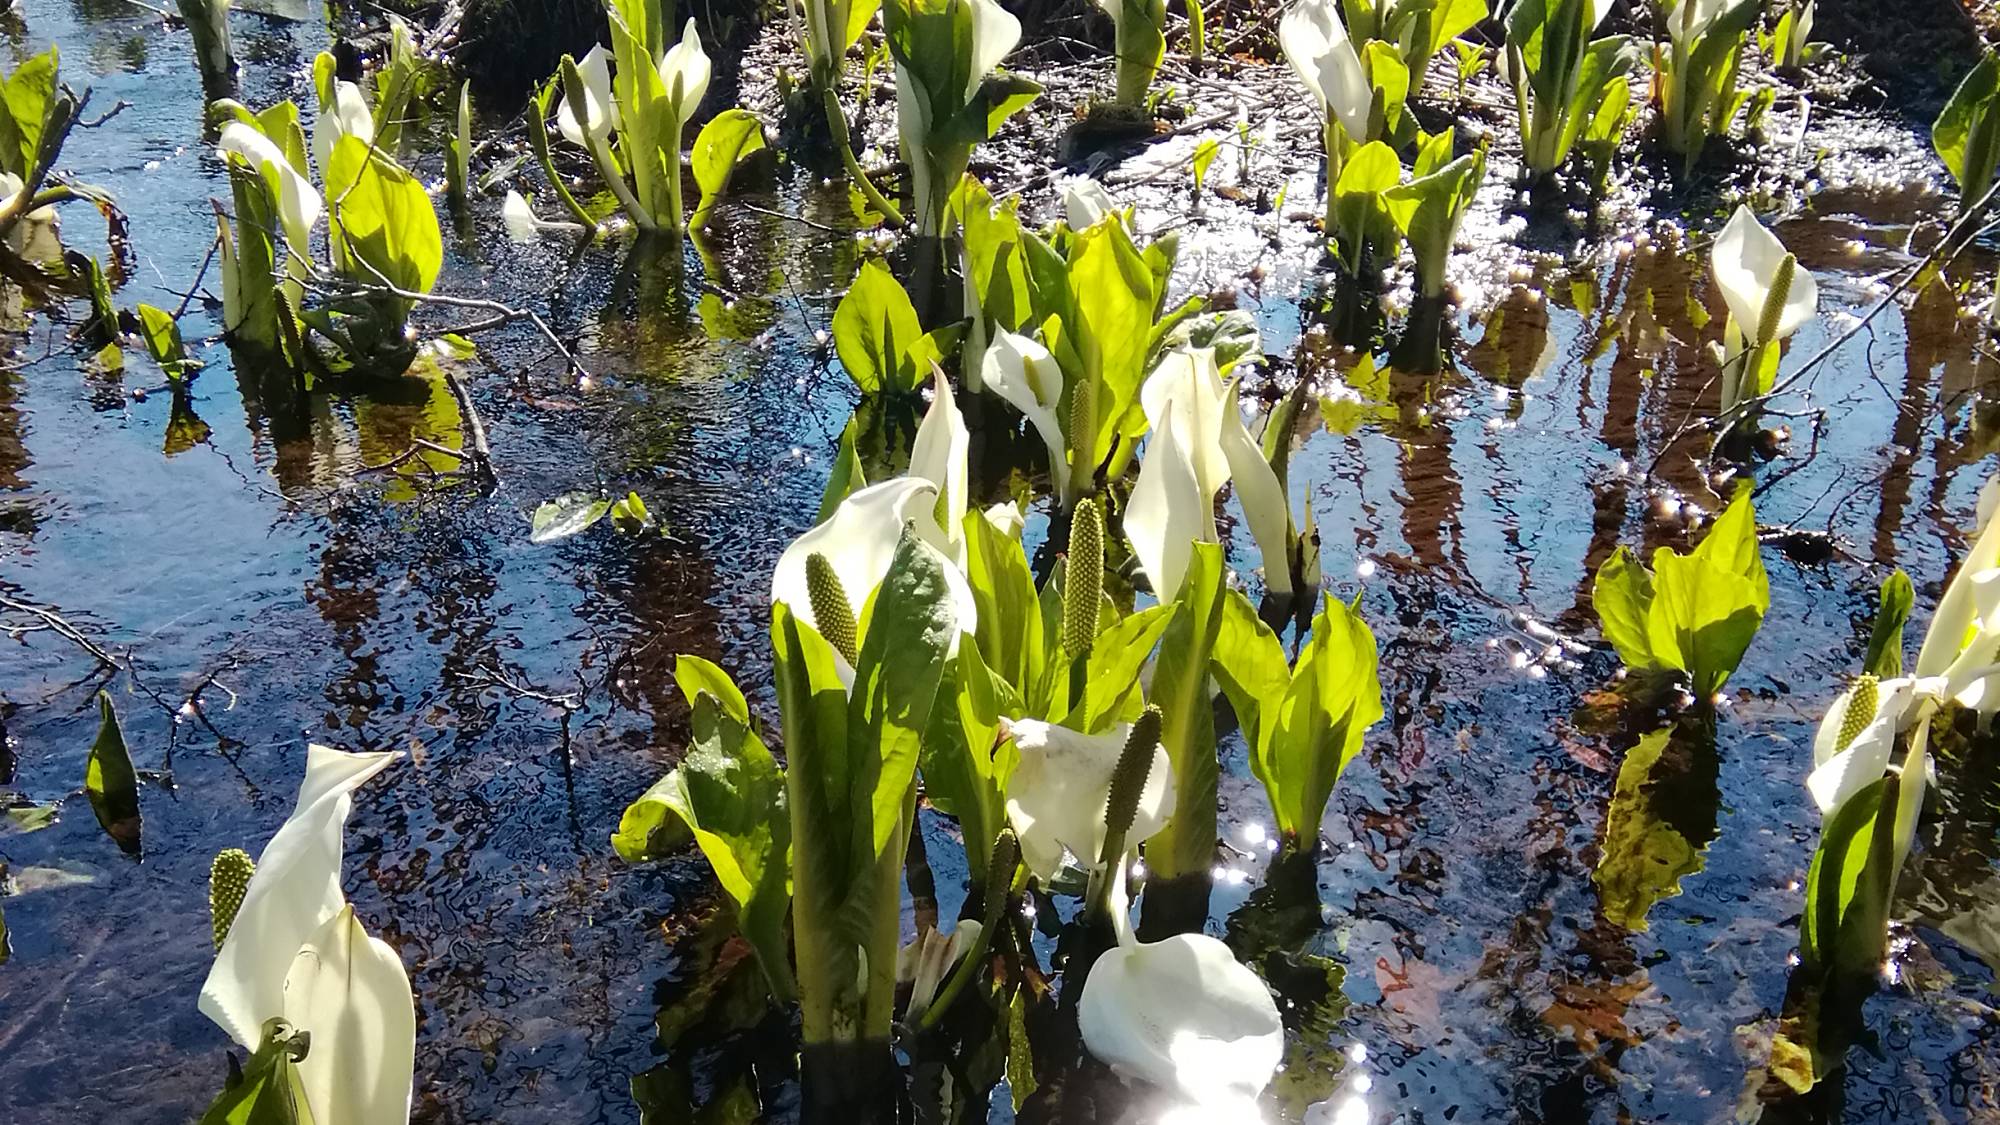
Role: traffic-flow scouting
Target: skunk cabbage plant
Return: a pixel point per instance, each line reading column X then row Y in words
column 629, row 108
column 38, row 112
column 832, row 28
column 1360, row 93
column 1695, row 91
column 1692, row 616
column 878, row 338
column 383, row 241
column 1872, row 765
column 1431, row 207
column 326, row 1008
column 1567, row 85
column 1769, row 297
column 949, row 94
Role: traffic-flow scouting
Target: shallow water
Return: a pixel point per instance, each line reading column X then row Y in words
column 304, row 597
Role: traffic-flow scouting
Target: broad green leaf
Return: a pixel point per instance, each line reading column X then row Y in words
column 967, row 766
column 111, row 782
column 874, row 327
column 1111, row 686
column 911, row 627
column 1334, row 697
column 567, row 515
column 383, row 226
column 269, row 1092
column 731, row 794
column 993, row 256
column 1360, row 214
column 1249, row 665
column 814, row 706
column 1708, row 605
column 163, row 340
column 1389, row 78
column 1429, row 210
column 1232, row 335
column 1623, row 595
column 1009, row 635
column 28, row 93
column 1967, row 132
column 1113, row 293
column 1885, row 639
column 1659, row 825
column 729, row 138
column 697, row 677
column 1603, row 62
column 650, row 829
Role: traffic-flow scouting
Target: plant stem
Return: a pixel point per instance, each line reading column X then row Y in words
column 836, row 120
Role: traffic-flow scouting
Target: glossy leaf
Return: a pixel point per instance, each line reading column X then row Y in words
column 875, row 330
column 569, row 514
column 111, row 782
column 729, row 138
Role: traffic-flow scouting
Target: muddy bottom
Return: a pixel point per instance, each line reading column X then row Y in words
column 261, row 580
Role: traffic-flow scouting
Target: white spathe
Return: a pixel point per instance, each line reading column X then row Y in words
column 1086, row 203
column 1691, row 20
column 299, row 202
column 995, row 34
column 1956, row 620
column 1262, row 495
column 350, row 993
column 1840, row 773
column 1056, row 800
column 1168, row 510
column 600, row 117
column 1746, row 260
column 938, row 456
column 1020, row 370
column 684, row 73
column 294, row 892
column 859, row 541
column 522, row 225
column 1316, row 43
column 1184, row 1015
column 348, row 116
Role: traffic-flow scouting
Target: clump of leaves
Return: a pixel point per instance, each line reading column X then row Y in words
column 1691, row 616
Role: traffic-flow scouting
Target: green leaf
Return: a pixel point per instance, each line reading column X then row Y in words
column 22, row 819
column 847, row 477
column 1623, row 595
column 381, row 222
column 874, row 328
column 1111, row 684
column 1114, row 294
column 28, row 94
column 111, row 782
column 1708, row 605
column 1964, row 132
column 267, row 1092
column 729, row 138
column 1360, row 213
column 458, row 150
column 630, row 514
column 1428, row 211
column 1604, row 61
column 966, row 764
column 1334, row 697
column 567, row 515
column 911, row 627
column 1205, row 152
column 731, row 794
column 163, row 340
column 1009, row 634
column 1659, row 825
column 1249, row 665
column 1885, row 639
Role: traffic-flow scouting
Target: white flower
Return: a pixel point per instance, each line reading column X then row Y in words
column 1168, row 511
column 1006, row 519
column 294, row 951
column 1056, row 800
column 684, row 73
column 1184, row 1015
column 350, row 992
column 1840, row 773
column 600, row 108
column 859, row 542
column 299, row 203
column 995, row 34
column 1023, row 372
column 1208, row 428
column 938, row 456
column 1086, row 203
column 522, row 225
column 1316, row 43
column 348, row 116
column 1746, row 261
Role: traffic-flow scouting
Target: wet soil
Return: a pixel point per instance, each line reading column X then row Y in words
column 270, row 574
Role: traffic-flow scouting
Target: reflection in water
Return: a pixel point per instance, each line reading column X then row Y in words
column 1660, row 822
